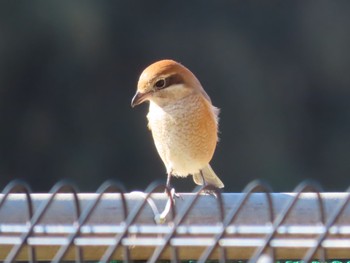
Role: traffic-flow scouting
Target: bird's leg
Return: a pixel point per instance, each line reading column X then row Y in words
column 168, row 180
column 172, row 190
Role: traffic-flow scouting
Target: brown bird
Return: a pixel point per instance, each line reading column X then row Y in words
column 183, row 121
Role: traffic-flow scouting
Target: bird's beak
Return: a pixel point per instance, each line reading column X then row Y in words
column 138, row 98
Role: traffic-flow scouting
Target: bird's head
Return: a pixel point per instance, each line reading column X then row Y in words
column 164, row 82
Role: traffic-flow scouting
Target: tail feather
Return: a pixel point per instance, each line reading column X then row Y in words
column 209, row 176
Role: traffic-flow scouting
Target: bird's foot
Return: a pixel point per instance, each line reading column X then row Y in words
column 173, row 193
column 161, row 218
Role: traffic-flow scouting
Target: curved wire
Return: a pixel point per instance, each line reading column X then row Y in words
column 211, row 190
column 38, row 215
column 16, row 186
column 179, row 219
column 301, row 188
column 331, row 221
column 133, row 216
column 252, row 187
column 86, row 214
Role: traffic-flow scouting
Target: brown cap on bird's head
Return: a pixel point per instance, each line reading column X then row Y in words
column 164, row 74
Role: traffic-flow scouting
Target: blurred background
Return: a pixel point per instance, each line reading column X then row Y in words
column 279, row 71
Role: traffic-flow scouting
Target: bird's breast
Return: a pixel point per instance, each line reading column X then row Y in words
column 184, row 132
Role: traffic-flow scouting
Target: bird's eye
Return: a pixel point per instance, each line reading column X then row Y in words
column 160, row 84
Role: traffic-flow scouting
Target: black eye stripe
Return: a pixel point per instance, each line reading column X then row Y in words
column 174, row 79
column 168, row 81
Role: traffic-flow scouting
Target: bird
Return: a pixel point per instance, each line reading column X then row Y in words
column 182, row 120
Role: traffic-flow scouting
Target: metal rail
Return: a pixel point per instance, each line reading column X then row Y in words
column 255, row 225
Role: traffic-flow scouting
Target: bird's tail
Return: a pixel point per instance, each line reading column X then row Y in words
column 209, row 176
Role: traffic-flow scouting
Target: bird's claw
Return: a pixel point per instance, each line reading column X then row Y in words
column 174, row 194
column 161, row 218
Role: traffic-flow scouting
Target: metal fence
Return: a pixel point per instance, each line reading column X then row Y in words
column 255, row 225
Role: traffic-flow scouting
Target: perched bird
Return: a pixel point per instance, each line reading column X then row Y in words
column 183, row 121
